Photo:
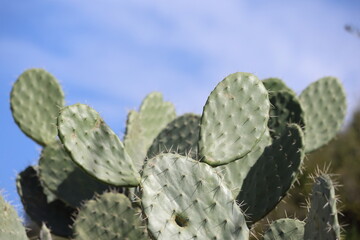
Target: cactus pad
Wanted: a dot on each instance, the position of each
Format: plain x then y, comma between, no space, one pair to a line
185,199
10,223
285,109
95,147
64,178
36,99
234,119
180,136
55,214
275,85
322,221
235,172
324,105
109,217
285,229
144,126
134,140
272,175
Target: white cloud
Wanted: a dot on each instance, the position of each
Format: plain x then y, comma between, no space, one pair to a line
127,49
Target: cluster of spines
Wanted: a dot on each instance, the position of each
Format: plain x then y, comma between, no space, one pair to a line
232,133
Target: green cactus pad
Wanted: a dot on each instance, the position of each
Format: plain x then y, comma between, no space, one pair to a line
134,139
179,136
109,217
95,147
324,104
185,199
234,119
56,214
235,172
285,109
45,233
10,223
322,221
275,85
64,178
155,114
272,175
36,99
285,229
143,127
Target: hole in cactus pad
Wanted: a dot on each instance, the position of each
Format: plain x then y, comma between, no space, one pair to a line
181,220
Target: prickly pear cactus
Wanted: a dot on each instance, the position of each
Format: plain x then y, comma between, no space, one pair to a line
61,176
186,199
278,167
107,217
95,147
234,119
10,223
36,99
144,126
285,229
276,85
57,215
180,136
324,104
322,221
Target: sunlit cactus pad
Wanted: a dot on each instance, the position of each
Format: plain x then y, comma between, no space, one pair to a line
95,147
109,217
324,104
36,99
180,136
10,223
143,126
185,199
285,229
234,119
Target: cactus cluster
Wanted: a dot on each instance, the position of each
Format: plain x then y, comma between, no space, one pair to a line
208,176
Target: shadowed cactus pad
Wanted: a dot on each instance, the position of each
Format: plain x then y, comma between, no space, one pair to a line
234,119
285,109
64,178
285,229
95,147
10,223
235,172
56,214
272,175
324,105
275,85
36,99
185,199
180,136
322,221
109,217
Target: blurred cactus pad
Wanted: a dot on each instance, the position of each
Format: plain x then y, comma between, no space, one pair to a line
209,175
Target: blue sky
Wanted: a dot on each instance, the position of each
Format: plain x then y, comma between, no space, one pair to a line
110,54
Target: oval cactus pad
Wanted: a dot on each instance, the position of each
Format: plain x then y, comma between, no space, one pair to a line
234,119
36,99
95,147
185,199
324,106
109,217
